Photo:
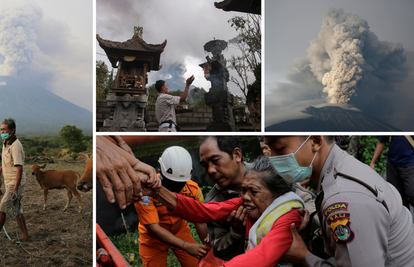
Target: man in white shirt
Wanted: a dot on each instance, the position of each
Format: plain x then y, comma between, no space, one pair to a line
164,106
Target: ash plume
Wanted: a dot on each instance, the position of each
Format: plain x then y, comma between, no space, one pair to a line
347,66
346,52
17,37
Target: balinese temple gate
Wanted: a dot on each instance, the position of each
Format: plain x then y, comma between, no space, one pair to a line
133,58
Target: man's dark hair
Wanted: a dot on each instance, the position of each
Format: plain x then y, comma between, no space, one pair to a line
261,138
11,124
266,172
225,143
158,85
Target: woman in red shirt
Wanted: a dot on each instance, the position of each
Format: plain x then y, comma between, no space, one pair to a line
271,207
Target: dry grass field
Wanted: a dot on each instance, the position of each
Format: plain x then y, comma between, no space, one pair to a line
57,238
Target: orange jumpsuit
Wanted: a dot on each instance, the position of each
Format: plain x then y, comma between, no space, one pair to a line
152,251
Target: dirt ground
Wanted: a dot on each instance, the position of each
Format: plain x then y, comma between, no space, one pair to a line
57,238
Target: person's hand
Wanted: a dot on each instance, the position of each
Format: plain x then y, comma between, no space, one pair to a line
114,172
14,191
190,80
152,182
303,229
304,182
298,250
206,240
122,144
125,147
195,249
372,165
145,191
238,218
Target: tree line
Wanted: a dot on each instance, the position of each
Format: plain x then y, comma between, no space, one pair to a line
70,139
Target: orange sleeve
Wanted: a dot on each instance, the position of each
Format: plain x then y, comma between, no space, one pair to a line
147,212
195,191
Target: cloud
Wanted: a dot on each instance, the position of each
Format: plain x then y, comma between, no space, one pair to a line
3,83
187,26
42,44
348,65
17,37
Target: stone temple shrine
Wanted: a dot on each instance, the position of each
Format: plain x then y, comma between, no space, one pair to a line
133,58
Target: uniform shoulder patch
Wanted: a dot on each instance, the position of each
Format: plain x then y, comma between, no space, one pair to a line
334,207
342,232
337,216
145,201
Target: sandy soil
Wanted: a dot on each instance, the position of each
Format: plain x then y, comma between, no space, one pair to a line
57,238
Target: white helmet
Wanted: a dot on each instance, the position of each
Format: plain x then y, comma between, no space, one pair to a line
176,164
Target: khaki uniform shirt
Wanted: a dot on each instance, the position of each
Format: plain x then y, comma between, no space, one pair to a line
363,220
12,156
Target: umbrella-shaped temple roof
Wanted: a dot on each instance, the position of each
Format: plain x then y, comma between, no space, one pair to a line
134,47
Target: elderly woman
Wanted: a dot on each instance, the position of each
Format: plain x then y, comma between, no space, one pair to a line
271,207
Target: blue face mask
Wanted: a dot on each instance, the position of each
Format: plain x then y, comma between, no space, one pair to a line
288,168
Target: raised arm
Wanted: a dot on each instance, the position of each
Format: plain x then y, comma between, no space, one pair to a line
189,81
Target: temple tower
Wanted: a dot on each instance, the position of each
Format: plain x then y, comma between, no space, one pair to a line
218,98
133,58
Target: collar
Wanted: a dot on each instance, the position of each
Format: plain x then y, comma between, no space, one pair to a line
14,138
328,162
226,191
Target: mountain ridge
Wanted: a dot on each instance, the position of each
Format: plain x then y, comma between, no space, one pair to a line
38,111
332,119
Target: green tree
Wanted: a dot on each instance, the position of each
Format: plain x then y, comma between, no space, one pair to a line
367,145
73,138
104,80
74,155
196,98
152,95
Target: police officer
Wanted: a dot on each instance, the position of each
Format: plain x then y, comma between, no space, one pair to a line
363,220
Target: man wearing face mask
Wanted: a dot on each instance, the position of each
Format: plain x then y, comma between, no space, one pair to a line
12,161
160,231
364,221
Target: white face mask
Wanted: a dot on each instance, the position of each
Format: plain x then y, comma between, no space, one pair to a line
288,168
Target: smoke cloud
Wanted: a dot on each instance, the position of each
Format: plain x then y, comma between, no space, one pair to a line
17,37
346,65
346,52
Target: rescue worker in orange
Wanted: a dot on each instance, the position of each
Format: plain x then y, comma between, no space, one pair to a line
159,231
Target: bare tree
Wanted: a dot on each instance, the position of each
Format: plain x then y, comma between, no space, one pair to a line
248,42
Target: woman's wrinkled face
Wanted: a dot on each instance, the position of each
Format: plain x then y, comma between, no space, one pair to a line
255,195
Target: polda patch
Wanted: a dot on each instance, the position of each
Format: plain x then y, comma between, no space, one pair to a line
337,216
334,207
342,231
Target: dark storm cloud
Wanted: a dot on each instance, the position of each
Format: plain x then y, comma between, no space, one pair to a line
186,25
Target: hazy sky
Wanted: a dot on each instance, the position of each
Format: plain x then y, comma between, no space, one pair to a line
187,25
290,86
49,43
